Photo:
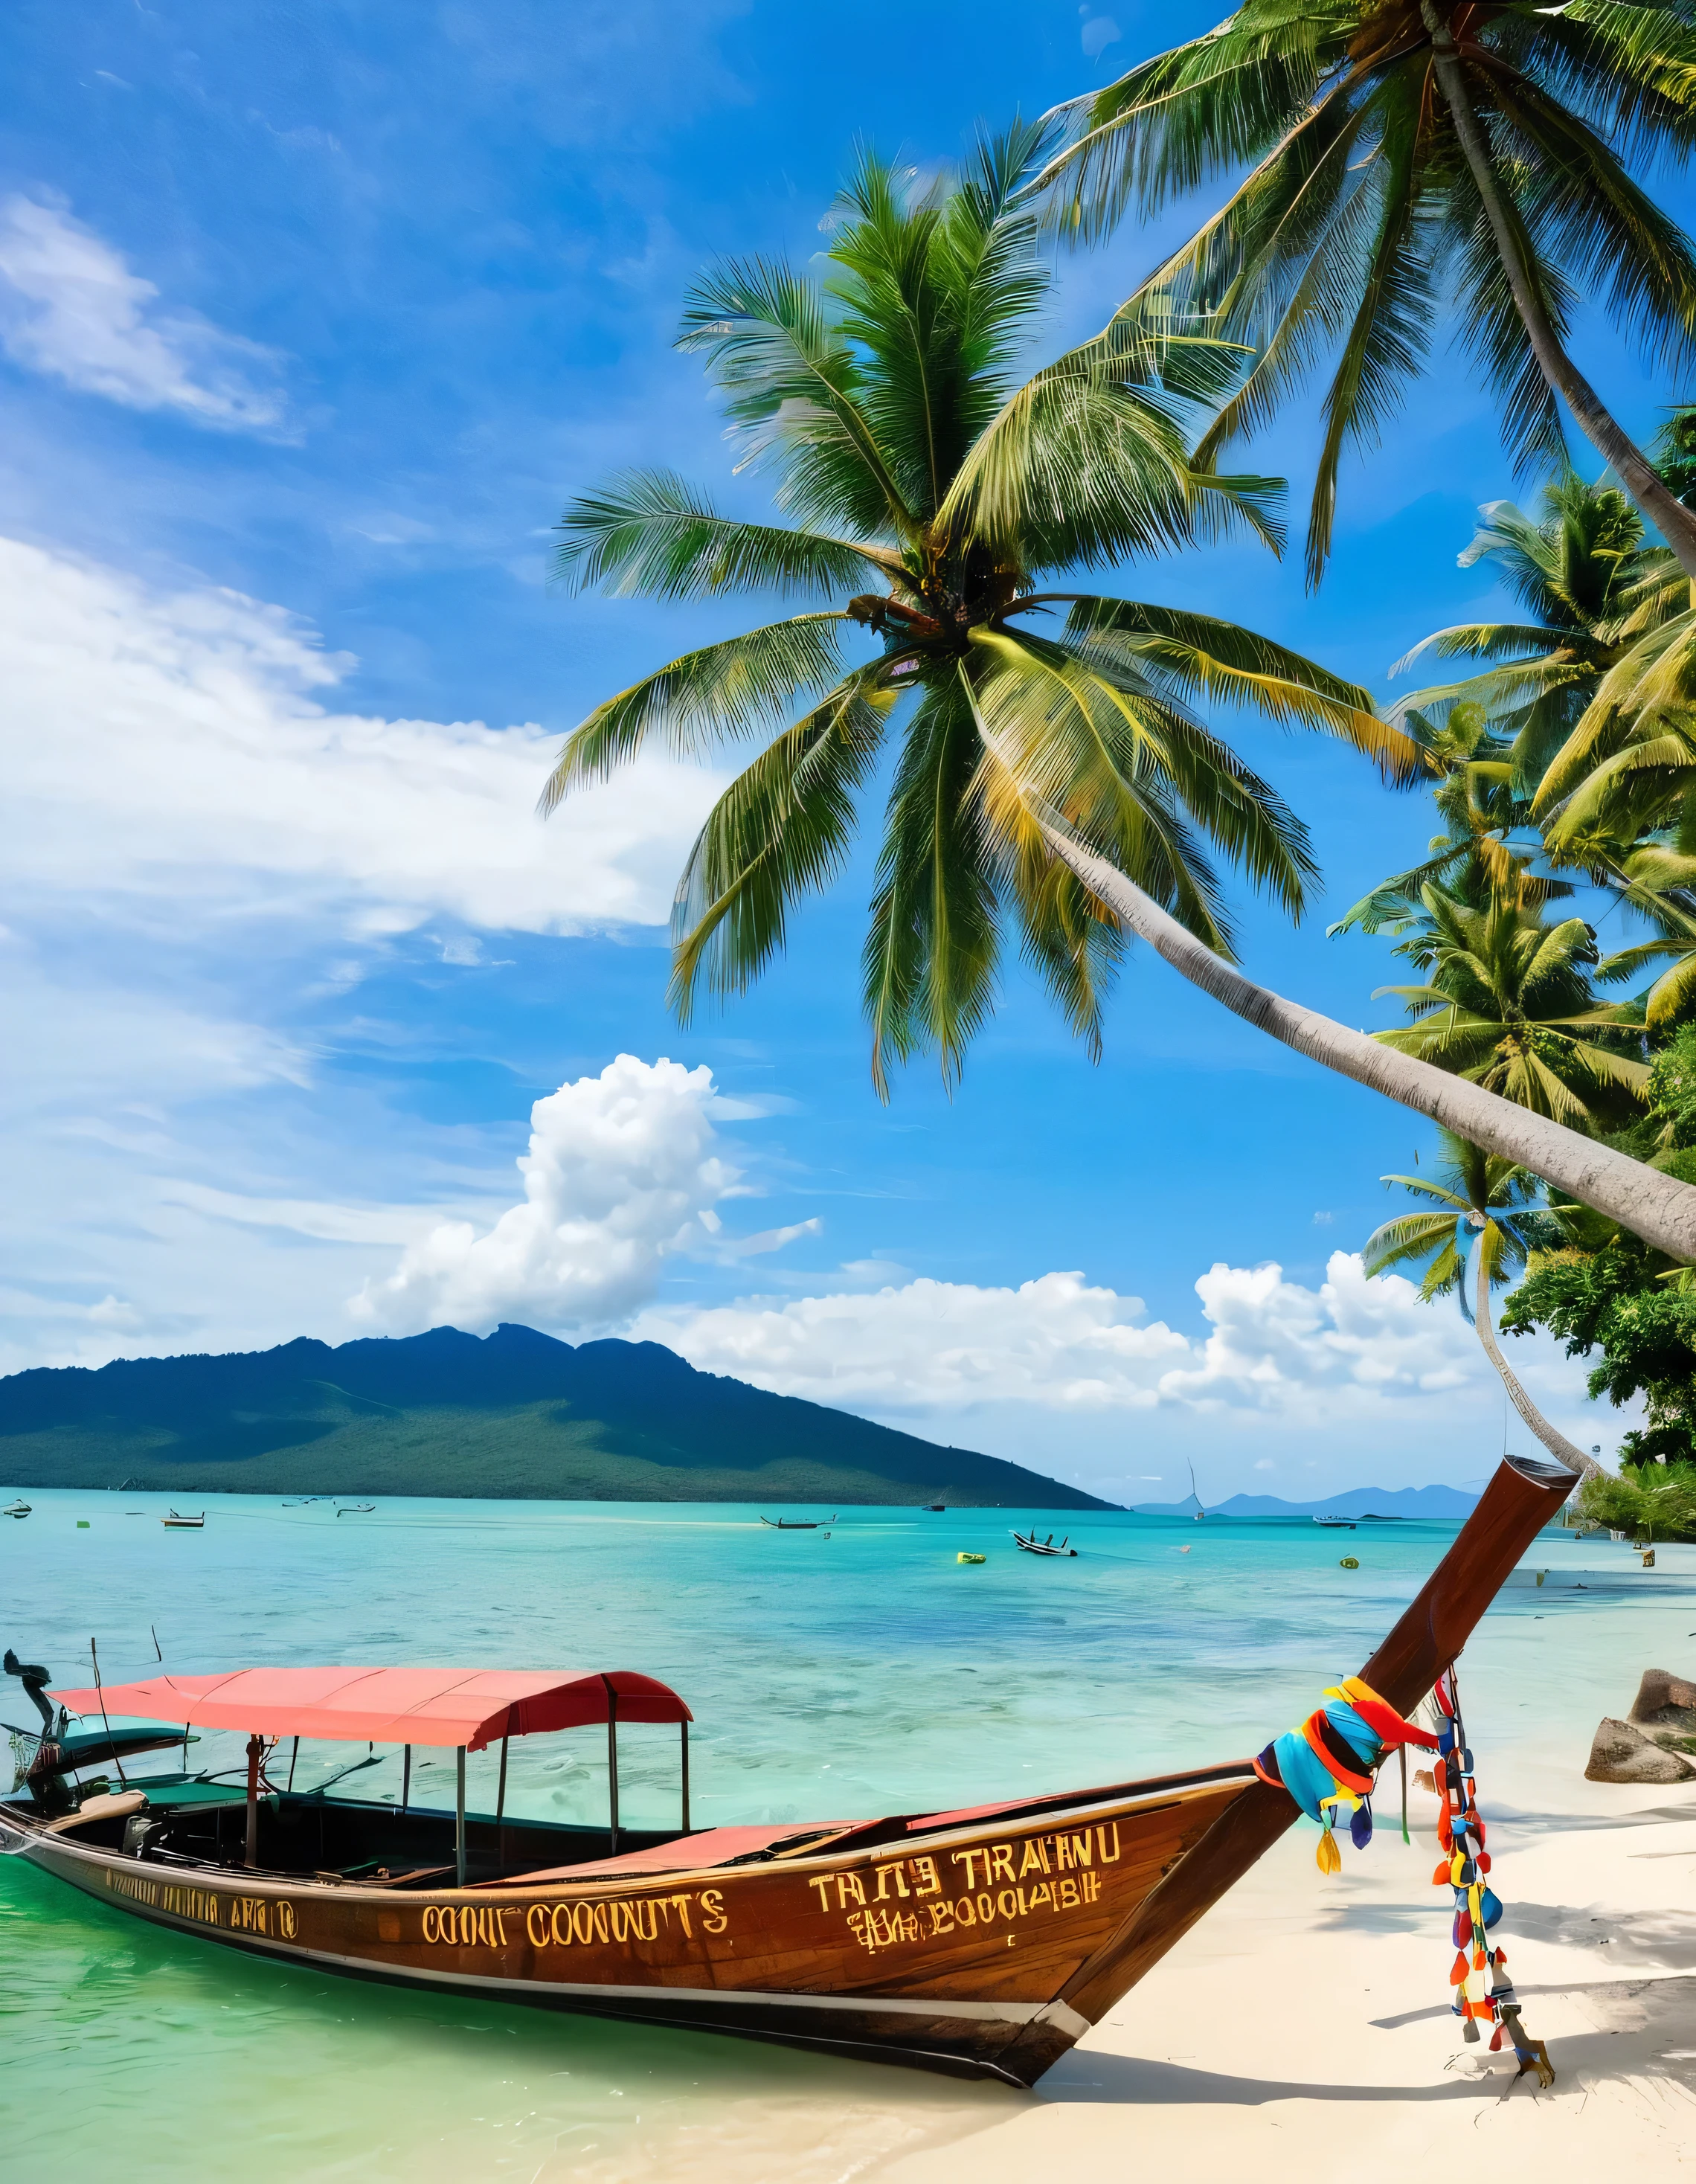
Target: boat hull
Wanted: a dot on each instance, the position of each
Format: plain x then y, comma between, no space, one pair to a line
945,1950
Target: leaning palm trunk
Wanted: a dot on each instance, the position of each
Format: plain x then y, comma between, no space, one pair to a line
1552,1438
1674,521
1654,1205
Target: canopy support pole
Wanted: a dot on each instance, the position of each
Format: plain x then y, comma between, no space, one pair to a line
459,1816
500,1804
684,1726
612,1765
256,1752
405,1778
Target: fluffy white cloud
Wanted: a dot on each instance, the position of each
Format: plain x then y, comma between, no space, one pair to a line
174,751
621,1174
70,307
1354,1348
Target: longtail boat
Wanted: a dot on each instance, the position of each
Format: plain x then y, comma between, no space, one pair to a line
982,1941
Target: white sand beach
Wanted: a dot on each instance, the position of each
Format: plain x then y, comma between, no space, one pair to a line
1304,2026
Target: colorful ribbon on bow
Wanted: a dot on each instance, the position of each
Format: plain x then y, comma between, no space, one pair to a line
1330,1764
1483,1993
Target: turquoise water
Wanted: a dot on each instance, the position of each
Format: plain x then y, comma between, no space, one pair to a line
831,1677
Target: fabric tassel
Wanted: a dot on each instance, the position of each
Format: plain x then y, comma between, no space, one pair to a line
1328,1857
1360,1825
1458,1970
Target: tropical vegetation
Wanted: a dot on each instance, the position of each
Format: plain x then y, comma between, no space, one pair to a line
1599,1289
1476,1223
1510,991
1403,154
1048,773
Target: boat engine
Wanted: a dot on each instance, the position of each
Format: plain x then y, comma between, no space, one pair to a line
44,1777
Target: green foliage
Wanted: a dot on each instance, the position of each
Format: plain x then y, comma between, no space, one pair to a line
1675,453
1360,217
1672,1090
869,397
1506,1002
1611,1301
1650,1505
1469,1190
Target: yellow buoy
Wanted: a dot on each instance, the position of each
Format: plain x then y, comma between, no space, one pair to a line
971,1558
1349,1562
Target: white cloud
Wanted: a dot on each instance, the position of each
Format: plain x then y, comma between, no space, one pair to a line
1354,1349
173,751
70,307
621,1175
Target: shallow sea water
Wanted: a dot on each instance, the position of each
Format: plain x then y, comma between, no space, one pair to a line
831,1677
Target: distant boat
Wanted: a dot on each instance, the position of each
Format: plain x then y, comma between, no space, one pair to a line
1336,1524
937,1508
15,1509
173,1522
971,1558
794,1524
355,1508
1033,1546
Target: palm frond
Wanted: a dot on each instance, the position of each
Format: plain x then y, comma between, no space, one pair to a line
648,534
782,830
702,699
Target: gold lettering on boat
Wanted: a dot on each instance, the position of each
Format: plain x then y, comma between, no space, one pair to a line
616,1921
874,1929
847,1885
927,1882
132,1885
887,1872
1000,1867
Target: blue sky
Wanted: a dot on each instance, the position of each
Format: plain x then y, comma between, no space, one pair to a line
312,321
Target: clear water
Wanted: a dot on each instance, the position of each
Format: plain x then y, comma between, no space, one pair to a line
831,1677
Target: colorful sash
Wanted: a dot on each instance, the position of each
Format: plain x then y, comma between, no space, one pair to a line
1330,1764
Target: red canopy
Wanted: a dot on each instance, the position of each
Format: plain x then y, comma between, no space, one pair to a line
471,1706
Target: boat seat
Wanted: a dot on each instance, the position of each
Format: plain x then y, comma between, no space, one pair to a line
117,1807
711,1847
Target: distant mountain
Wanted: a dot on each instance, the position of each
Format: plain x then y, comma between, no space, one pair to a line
515,1415
1438,1501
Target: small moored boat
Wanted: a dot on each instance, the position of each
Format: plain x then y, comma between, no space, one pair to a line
15,1509
796,1523
1336,1524
355,1508
174,1523
1033,1546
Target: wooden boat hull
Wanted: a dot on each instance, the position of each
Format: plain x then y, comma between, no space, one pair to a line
943,1949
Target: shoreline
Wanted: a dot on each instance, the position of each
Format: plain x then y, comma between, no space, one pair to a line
1303,2019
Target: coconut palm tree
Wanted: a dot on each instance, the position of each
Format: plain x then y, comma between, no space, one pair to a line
1479,1219
1586,578
1506,1001
1054,779
1403,153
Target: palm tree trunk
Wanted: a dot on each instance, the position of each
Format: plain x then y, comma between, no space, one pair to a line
1675,523
1552,1438
1655,1206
